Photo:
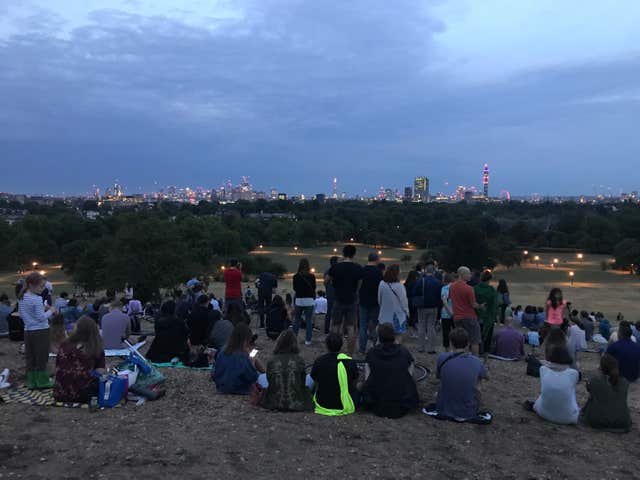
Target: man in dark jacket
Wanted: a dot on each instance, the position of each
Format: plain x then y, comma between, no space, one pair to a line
201,321
389,390
428,288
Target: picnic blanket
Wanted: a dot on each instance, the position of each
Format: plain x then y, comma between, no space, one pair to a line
483,418
178,365
116,352
40,398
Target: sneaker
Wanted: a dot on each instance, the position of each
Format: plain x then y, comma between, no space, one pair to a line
4,379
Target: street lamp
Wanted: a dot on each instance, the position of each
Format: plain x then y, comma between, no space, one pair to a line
295,248
379,252
222,268
313,270
571,275
34,264
261,246
526,252
351,239
335,250
555,262
43,273
537,259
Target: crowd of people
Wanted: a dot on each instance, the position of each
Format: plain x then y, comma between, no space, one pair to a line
368,306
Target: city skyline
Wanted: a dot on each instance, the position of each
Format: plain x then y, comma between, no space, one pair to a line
295,94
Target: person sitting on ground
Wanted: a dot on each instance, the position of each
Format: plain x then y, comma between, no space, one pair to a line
604,326
78,357
626,352
115,326
558,337
517,316
509,341
577,338
200,322
557,401
335,375
607,405
389,389
57,332
61,301
459,372
220,333
277,318
171,336
71,313
91,310
286,380
5,310
235,371
586,324
635,331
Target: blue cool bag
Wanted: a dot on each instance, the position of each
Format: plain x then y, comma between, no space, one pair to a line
111,390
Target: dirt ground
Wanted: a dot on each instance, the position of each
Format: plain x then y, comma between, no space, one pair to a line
196,433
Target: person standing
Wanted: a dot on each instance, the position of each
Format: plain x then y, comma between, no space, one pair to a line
427,290
446,314
267,284
503,298
392,298
346,277
233,284
412,321
369,308
331,294
304,286
487,296
36,331
464,308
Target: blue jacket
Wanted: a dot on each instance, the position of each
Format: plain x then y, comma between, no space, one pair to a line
432,288
234,373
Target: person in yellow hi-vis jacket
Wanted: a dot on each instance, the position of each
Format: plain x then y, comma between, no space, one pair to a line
335,375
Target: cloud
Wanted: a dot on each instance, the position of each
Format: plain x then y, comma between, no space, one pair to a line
292,92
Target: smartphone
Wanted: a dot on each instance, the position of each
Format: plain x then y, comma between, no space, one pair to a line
253,353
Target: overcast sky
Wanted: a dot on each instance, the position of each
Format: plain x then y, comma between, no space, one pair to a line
293,93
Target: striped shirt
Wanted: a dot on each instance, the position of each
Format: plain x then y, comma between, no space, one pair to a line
31,308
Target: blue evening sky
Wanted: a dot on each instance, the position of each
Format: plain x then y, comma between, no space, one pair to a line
293,93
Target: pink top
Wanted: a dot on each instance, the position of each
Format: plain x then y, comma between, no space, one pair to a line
554,315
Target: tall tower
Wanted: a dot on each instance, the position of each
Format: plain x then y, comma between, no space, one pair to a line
421,189
335,188
485,180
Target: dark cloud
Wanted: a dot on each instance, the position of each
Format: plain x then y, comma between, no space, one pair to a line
294,93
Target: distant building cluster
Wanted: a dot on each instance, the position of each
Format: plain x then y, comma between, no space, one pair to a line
116,195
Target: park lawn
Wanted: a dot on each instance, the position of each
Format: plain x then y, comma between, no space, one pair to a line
593,289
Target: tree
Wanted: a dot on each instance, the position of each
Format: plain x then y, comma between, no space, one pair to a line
467,246
627,253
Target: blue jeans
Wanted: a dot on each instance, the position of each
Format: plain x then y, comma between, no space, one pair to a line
368,323
308,320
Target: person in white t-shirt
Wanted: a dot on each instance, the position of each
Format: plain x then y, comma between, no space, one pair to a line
321,304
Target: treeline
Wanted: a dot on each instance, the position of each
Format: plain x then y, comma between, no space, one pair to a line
157,246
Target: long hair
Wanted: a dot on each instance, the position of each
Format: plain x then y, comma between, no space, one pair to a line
502,286
392,274
609,366
555,297
57,333
240,336
303,266
277,301
32,280
286,343
87,335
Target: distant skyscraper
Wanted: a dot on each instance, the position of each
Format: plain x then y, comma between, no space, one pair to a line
421,189
408,193
321,197
335,188
274,194
485,181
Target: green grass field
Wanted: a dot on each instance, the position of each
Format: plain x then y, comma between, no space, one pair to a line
593,289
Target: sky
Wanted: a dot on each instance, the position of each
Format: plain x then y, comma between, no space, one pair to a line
293,93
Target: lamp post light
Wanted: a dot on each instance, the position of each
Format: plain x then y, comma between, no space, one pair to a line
555,262
379,252
34,265
335,250
525,253
571,275
580,257
537,260
313,270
